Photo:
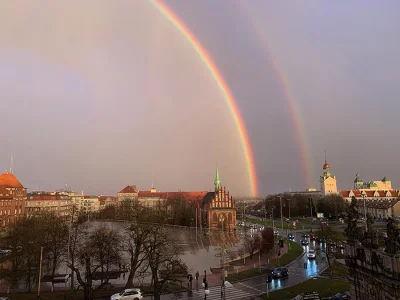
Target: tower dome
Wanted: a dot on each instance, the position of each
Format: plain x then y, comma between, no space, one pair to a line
326,166
9,180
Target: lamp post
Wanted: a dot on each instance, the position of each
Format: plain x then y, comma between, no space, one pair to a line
40,271
205,285
365,211
280,202
310,208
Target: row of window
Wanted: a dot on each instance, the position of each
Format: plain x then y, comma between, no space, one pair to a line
8,212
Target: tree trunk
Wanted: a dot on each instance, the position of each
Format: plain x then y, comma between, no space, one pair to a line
53,270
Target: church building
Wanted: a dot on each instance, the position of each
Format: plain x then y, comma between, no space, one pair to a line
220,207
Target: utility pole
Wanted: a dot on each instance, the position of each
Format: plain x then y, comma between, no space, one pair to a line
280,201
40,271
196,220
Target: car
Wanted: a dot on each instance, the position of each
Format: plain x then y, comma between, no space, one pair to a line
280,273
308,296
5,251
128,294
311,254
304,242
340,296
291,236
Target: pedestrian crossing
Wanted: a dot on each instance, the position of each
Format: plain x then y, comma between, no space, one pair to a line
231,293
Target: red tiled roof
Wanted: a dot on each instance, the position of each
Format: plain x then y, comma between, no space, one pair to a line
128,190
345,194
170,196
10,181
370,193
149,194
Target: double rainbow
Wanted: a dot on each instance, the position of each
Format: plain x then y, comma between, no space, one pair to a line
205,57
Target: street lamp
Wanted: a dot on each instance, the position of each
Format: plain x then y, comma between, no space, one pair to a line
280,202
310,199
205,285
365,211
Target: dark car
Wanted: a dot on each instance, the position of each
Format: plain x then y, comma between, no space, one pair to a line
340,296
290,236
304,242
280,273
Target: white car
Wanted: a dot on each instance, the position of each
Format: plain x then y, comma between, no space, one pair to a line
311,254
128,294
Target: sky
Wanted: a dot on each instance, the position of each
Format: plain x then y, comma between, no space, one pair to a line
101,94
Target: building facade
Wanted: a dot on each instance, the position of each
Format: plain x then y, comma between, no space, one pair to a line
327,181
373,273
105,201
221,207
91,204
130,192
39,202
384,184
12,199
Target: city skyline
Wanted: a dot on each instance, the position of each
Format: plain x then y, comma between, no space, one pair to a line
99,101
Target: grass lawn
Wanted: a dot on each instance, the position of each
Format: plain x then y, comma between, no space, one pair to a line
339,269
233,276
332,235
325,288
294,251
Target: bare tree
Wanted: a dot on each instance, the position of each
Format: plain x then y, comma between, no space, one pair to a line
251,244
99,252
163,260
56,235
136,237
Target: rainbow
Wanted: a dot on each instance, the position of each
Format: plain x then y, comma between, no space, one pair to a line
299,131
229,99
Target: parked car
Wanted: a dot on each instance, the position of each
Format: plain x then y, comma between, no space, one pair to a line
128,294
304,242
311,254
340,296
291,236
280,273
308,296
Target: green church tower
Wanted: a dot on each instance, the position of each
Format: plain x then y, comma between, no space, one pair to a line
217,181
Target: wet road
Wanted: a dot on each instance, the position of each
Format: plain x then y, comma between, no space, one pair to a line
251,288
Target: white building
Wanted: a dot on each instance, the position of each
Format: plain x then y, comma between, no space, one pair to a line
327,181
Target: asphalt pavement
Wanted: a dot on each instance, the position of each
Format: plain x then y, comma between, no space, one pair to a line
252,288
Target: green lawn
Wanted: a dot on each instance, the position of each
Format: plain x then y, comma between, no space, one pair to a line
325,288
339,269
294,251
233,276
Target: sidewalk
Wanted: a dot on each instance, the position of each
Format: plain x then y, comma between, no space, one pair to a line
214,279
241,265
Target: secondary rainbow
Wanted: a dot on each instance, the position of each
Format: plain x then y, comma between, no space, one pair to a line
299,131
205,57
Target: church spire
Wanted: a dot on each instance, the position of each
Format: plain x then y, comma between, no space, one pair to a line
217,181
